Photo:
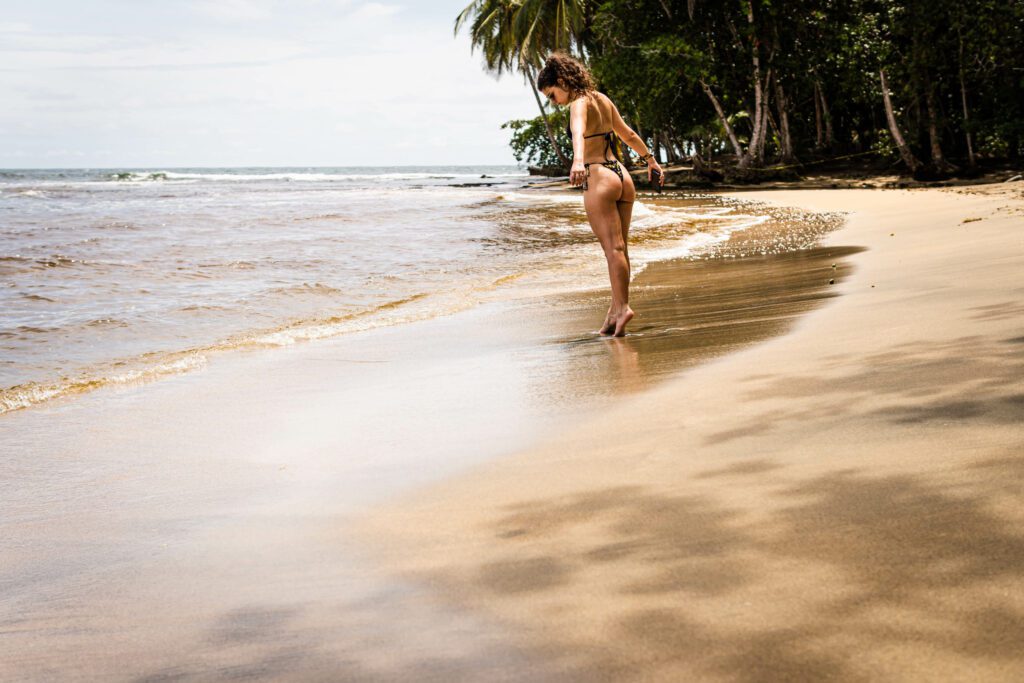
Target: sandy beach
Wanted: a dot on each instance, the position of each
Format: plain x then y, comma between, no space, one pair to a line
197,527
772,477
842,502
302,376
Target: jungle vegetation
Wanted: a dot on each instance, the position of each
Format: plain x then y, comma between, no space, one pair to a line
933,86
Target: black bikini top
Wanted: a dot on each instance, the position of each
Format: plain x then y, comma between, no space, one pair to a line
609,141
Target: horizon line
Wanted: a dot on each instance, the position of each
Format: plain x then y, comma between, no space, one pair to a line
160,166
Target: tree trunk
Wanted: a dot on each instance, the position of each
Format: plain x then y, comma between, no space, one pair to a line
673,147
905,152
547,123
774,126
723,120
825,114
664,144
781,104
830,138
971,161
681,147
756,148
938,159
758,131
819,140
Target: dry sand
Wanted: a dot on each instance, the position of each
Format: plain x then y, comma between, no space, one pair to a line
843,502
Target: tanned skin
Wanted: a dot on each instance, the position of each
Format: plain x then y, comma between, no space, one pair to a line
608,200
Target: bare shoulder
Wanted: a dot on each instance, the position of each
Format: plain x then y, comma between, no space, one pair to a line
605,106
603,100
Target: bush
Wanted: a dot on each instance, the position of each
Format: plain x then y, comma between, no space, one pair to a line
530,143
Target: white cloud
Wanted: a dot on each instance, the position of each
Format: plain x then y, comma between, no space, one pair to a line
14,27
372,10
315,86
233,11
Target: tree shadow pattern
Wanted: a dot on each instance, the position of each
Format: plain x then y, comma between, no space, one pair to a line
916,566
968,379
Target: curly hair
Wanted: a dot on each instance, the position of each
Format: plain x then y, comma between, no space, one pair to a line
565,72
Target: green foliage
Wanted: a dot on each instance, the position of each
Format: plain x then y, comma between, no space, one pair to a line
884,146
659,59
530,142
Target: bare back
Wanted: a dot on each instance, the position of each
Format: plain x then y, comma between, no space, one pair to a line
600,116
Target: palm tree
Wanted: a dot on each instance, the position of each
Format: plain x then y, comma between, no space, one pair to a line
489,29
542,26
516,35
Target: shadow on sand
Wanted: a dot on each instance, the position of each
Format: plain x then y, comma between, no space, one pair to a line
844,568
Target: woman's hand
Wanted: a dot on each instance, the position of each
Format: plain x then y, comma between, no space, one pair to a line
652,164
577,174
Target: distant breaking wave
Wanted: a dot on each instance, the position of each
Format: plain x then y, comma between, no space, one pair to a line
144,176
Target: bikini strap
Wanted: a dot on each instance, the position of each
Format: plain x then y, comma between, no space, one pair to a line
609,144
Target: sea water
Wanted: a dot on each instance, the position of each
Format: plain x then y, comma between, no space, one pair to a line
113,276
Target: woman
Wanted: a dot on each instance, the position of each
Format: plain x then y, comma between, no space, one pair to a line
608,191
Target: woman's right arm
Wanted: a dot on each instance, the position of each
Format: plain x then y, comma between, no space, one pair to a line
578,124
636,143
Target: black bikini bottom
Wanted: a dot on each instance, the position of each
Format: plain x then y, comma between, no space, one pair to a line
610,163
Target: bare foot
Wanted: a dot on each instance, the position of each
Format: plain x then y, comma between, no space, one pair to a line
622,321
609,323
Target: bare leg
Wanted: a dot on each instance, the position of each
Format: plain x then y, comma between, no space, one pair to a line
625,216
625,209
602,210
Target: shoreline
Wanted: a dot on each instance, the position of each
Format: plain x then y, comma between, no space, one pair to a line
680,177
834,502
162,363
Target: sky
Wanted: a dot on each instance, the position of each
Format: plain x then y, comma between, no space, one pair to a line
179,83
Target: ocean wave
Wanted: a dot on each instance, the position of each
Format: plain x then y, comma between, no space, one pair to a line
315,176
26,395
645,217
131,176
105,322
318,328
693,244
538,198
154,365
236,264
192,308
323,217
60,261
306,288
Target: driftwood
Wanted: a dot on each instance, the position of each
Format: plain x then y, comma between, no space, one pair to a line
548,171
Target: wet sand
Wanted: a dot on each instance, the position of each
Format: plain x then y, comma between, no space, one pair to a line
842,502
200,528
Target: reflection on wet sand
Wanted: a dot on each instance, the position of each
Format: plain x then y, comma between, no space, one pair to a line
689,311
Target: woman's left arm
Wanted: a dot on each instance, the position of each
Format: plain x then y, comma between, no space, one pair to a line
636,143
